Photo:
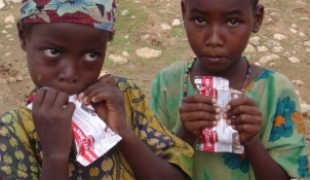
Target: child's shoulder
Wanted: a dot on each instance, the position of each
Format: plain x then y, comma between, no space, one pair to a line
175,68
269,75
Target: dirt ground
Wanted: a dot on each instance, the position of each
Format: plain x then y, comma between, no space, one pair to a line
142,23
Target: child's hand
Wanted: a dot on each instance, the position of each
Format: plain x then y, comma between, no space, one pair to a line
52,115
108,102
198,112
245,117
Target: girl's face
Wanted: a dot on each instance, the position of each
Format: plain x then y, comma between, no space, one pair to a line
64,56
218,30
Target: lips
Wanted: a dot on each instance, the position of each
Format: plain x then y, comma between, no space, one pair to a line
214,58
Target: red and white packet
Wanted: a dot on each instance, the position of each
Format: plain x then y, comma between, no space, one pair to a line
222,137
92,137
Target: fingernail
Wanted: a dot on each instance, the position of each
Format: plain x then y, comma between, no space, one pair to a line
228,107
85,100
228,121
233,126
217,117
225,115
81,95
218,110
94,99
213,100
214,123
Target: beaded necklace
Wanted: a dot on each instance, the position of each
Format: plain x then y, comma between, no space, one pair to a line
190,65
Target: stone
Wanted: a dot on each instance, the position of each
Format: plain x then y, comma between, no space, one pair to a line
293,31
118,58
302,34
8,26
9,19
4,31
277,49
254,40
297,82
272,64
304,18
250,49
148,53
133,17
294,59
307,43
15,1
19,78
125,53
279,36
125,12
126,37
1,4
271,43
304,108
262,48
176,22
287,54
11,80
267,58
165,26
294,25
257,63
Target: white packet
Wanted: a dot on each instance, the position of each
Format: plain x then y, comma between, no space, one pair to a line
222,137
92,137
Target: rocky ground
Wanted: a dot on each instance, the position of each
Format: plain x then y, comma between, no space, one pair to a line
149,36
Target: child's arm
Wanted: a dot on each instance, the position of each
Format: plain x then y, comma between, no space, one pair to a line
52,119
108,102
247,122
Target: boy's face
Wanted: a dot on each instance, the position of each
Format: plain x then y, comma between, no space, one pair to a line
64,56
218,30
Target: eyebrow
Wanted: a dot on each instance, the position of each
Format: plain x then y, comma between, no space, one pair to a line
237,11
230,12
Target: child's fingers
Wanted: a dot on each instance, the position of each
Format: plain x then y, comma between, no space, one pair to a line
190,107
39,97
247,128
108,78
199,115
61,99
198,98
243,100
47,97
242,109
195,126
246,119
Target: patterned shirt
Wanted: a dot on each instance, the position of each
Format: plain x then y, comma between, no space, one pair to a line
21,151
282,130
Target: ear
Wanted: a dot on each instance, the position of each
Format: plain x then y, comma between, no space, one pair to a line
183,9
22,35
258,18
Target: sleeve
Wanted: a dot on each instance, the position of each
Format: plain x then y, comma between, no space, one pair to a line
17,160
157,101
286,142
153,133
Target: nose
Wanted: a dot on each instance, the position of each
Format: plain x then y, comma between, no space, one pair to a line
69,69
214,37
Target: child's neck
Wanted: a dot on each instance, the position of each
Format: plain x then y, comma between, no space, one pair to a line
235,73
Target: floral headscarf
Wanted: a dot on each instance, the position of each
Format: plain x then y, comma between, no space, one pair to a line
99,14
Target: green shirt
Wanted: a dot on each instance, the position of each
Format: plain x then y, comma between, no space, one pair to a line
282,130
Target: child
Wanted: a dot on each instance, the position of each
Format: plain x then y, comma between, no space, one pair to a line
66,42
267,116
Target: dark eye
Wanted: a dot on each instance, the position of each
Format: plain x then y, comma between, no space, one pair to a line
233,22
200,20
51,53
90,57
